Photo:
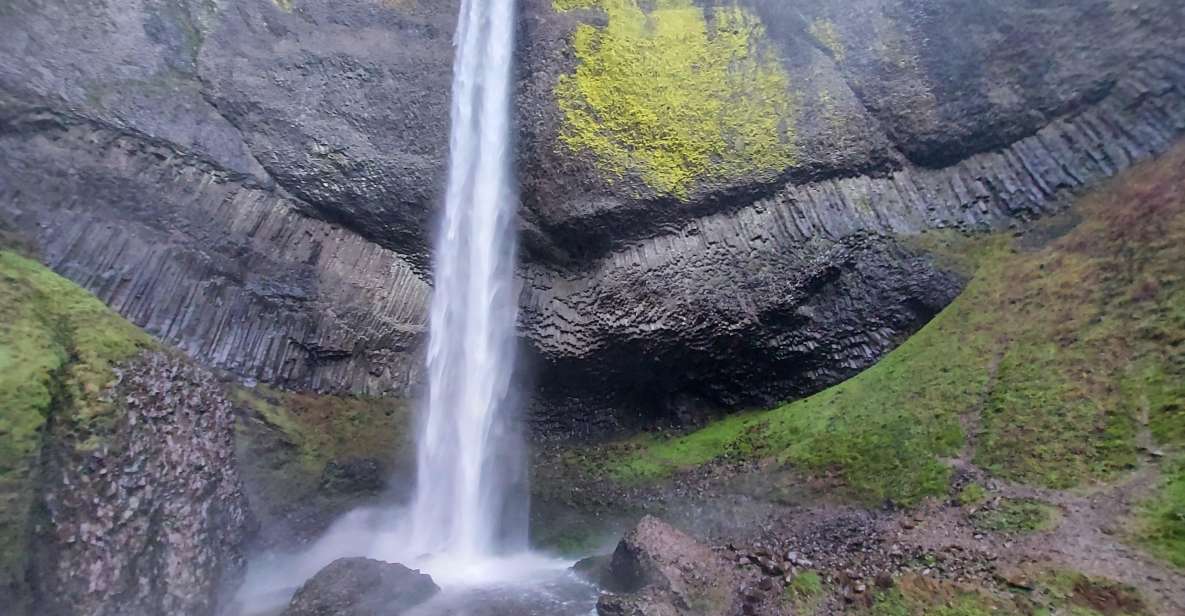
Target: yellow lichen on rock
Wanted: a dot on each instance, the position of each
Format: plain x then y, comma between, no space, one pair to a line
824,31
674,97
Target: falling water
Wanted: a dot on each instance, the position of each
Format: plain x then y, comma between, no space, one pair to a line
468,461
466,524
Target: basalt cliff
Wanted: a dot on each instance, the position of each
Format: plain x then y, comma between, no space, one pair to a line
718,199
724,205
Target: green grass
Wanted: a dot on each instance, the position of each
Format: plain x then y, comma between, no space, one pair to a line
1054,592
1076,594
916,596
1061,350
58,346
972,494
1017,516
805,592
895,604
1160,524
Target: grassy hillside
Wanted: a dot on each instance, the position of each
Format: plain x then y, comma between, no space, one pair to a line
1065,352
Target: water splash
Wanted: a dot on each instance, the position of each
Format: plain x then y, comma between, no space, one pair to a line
468,460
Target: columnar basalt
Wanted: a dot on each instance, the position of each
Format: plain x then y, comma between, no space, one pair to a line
256,185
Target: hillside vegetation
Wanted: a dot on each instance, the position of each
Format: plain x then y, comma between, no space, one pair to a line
1060,365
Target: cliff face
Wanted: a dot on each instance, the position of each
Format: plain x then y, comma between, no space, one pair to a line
719,198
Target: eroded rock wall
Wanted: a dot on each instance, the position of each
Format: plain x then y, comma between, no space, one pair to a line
255,181
908,117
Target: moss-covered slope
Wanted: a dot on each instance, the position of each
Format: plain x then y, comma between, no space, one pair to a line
1065,344
58,345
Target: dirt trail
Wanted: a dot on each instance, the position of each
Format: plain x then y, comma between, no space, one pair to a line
1087,535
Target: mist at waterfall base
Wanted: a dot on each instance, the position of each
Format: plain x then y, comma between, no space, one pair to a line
514,584
466,524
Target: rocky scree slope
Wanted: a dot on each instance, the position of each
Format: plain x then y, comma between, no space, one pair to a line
255,182
119,491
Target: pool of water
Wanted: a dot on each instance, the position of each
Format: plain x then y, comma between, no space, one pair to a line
525,584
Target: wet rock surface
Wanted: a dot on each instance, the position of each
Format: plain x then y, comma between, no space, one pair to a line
369,85
362,587
228,271
151,518
256,183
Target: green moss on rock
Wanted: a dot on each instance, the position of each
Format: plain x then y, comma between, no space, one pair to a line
58,346
307,457
675,98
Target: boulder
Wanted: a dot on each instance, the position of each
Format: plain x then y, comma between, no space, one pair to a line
362,587
659,570
145,512
595,569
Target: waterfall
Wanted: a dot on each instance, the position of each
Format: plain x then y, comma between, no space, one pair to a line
468,457
466,523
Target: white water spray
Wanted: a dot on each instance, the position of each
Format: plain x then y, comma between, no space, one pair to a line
468,459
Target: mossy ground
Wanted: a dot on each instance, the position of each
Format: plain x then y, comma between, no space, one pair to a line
1054,592
805,592
1016,516
664,93
1061,346
917,596
289,439
58,346
1070,592
1160,522
972,494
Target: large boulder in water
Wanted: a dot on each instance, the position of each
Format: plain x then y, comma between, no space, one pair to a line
362,587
